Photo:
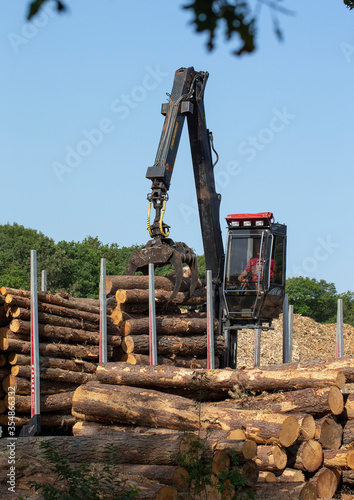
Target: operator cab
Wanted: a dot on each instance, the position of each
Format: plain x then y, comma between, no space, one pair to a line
254,277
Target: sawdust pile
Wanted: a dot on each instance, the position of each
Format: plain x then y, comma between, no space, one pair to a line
311,340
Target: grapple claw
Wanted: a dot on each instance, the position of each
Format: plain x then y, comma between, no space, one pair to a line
160,253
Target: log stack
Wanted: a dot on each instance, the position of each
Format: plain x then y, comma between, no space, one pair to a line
68,349
181,334
299,435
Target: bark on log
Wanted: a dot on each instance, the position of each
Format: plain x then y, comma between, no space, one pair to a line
326,483
86,352
48,403
164,474
47,420
168,345
153,408
179,325
242,449
63,333
266,477
23,386
76,365
317,401
348,476
308,456
56,374
329,432
349,406
338,459
125,282
52,319
133,448
271,458
161,296
348,433
284,491
144,359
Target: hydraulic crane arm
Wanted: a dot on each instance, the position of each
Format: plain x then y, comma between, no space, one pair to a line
186,100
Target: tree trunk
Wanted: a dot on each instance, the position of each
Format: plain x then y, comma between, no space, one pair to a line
348,433
76,365
163,474
48,403
144,359
133,448
125,282
142,296
166,325
23,385
153,408
338,459
56,374
326,483
266,477
169,345
63,333
47,420
291,476
270,458
88,352
329,432
348,477
349,406
317,401
284,491
305,456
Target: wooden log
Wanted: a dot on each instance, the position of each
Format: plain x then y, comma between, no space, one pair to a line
144,359
349,406
317,401
142,296
53,319
284,491
76,365
63,333
56,374
163,474
266,477
326,483
339,459
154,408
220,462
309,456
125,282
87,352
177,325
329,432
307,426
133,448
289,475
3,373
242,449
23,386
348,433
171,345
48,403
348,477
270,458
47,420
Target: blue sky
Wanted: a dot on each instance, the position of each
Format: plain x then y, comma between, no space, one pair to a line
81,96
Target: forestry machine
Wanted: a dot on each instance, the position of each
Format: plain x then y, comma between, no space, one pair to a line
249,277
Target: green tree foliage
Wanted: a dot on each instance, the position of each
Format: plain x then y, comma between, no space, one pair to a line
73,267
318,300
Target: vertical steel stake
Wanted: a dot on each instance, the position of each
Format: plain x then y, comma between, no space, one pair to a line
103,314
44,281
210,322
152,317
286,339
339,330
291,326
257,347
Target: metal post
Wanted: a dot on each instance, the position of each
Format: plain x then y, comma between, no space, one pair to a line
257,347
210,322
34,425
103,314
339,330
291,326
286,339
44,281
152,317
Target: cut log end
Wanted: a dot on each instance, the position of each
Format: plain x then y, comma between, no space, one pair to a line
336,401
289,431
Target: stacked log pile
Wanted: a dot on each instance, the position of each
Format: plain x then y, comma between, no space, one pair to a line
300,435
68,349
181,335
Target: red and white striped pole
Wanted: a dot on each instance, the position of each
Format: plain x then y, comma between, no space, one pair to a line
152,317
103,314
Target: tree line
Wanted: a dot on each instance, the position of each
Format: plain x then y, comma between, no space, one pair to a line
74,267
